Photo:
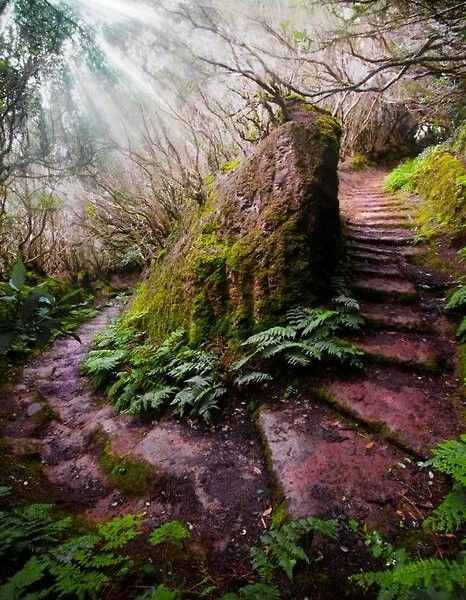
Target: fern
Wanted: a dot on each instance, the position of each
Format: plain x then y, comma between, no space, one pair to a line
458,299
416,579
450,515
30,528
310,335
101,364
75,567
154,378
161,592
450,458
255,591
18,585
281,547
254,377
173,532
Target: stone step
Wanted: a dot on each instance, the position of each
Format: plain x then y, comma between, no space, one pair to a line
378,208
381,267
325,467
407,349
384,214
415,411
373,248
368,257
397,317
390,290
388,238
380,223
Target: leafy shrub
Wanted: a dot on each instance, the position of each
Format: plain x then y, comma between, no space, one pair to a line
457,302
309,336
30,315
280,548
139,377
450,458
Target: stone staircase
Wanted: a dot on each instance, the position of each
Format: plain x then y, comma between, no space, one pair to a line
351,447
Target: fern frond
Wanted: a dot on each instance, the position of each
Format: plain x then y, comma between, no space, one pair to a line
458,299
270,337
450,515
347,302
254,377
450,458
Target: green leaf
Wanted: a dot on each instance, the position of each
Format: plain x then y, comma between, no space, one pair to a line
173,532
17,275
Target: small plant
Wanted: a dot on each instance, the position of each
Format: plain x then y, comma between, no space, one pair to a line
309,336
172,532
457,302
281,548
450,458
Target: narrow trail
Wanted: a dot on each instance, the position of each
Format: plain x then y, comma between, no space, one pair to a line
348,448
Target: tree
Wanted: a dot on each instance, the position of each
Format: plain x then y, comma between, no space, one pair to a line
35,38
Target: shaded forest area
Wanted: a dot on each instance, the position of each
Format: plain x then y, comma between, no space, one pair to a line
232,299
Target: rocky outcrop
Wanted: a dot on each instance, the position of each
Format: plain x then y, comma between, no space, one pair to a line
267,239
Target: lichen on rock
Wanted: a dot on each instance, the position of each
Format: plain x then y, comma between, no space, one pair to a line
267,239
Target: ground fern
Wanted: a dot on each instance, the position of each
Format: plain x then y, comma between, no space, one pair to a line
309,336
139,377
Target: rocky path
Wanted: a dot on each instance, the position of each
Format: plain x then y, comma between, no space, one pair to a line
348,449
213,478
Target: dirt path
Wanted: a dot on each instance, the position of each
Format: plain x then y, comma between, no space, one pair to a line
348,449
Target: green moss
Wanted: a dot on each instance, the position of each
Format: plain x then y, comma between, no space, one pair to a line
128,474
439,178
279,514
329,128
45,415
441,184
230,166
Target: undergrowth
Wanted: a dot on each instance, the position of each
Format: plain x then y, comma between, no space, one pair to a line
438,177
44,556
139,376
414,578
32,314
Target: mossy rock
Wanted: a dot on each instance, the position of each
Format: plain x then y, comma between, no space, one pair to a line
267,239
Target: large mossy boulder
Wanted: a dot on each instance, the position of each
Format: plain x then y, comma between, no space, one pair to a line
267,239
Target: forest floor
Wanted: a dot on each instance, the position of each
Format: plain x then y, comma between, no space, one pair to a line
341,445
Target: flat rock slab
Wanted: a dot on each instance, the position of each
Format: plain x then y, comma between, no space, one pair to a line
391,290
326,468
392,317
411,350
415,411
226,469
